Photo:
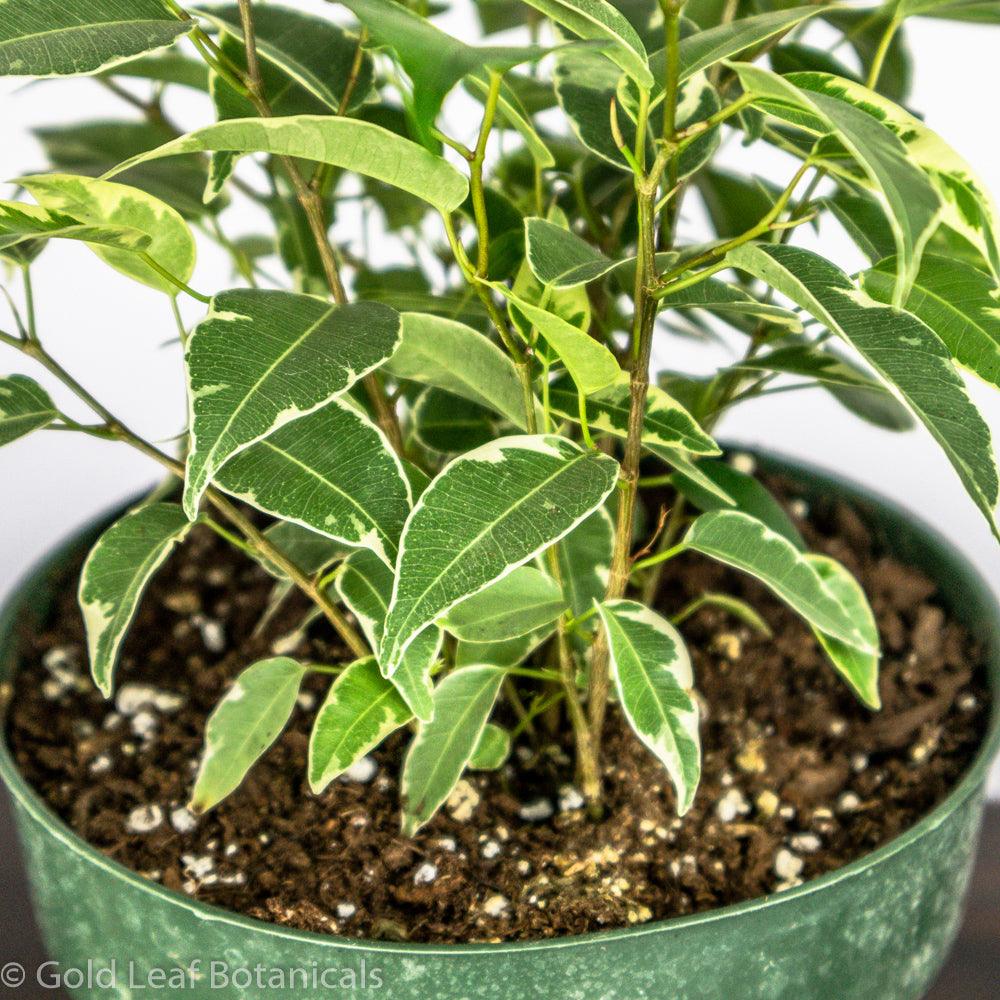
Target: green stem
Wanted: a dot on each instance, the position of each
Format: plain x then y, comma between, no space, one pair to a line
665,284
172,278
882,51
660,557
477,187
117,430
29,303
311,201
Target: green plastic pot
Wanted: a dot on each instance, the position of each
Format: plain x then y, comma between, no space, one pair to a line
877,929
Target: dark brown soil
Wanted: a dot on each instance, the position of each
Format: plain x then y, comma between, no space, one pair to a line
798,778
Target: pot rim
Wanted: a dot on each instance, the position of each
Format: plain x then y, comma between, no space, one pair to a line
970,783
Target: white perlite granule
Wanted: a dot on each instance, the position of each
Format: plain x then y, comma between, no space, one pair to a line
183,820
425,874
535,812
144,819
361,771
787,866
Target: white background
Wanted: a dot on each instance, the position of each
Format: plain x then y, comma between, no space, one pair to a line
111,332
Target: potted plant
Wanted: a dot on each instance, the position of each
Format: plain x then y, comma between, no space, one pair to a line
483,516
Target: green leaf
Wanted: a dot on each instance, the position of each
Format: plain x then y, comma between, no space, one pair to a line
333,471
858,668
243,726
73,38
361,709
972,11
24,407
794,57
703,49
591,365
685,464
493,749
739,609
115,574
309,550
958,302
20,223
750,495
349,143
315,53
968,207
586,83
851,384
94,147
597,20
904,351
734,203
666,424
433,59
741,541
570,304
717,296
522,602
454,357
449,425
585,561
365,586
497,507
914,204
863,30
262,358
864,221
165,67
104,203
507,653
443,747
652,671
560,258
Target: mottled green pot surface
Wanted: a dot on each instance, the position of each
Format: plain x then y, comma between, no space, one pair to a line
877,929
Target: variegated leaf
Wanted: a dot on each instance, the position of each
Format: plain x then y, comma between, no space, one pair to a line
653,678
443,747
333,471
743,542
859,668
901,348
115,574
104,203
667,424
914,204
485,514
349,143
454,357
24,407
75,37
260,359
243,726
361,709
365,586
599,21
522,602
958,302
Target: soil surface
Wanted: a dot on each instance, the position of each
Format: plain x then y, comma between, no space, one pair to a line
799,778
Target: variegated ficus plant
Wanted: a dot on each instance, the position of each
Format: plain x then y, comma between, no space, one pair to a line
465,460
